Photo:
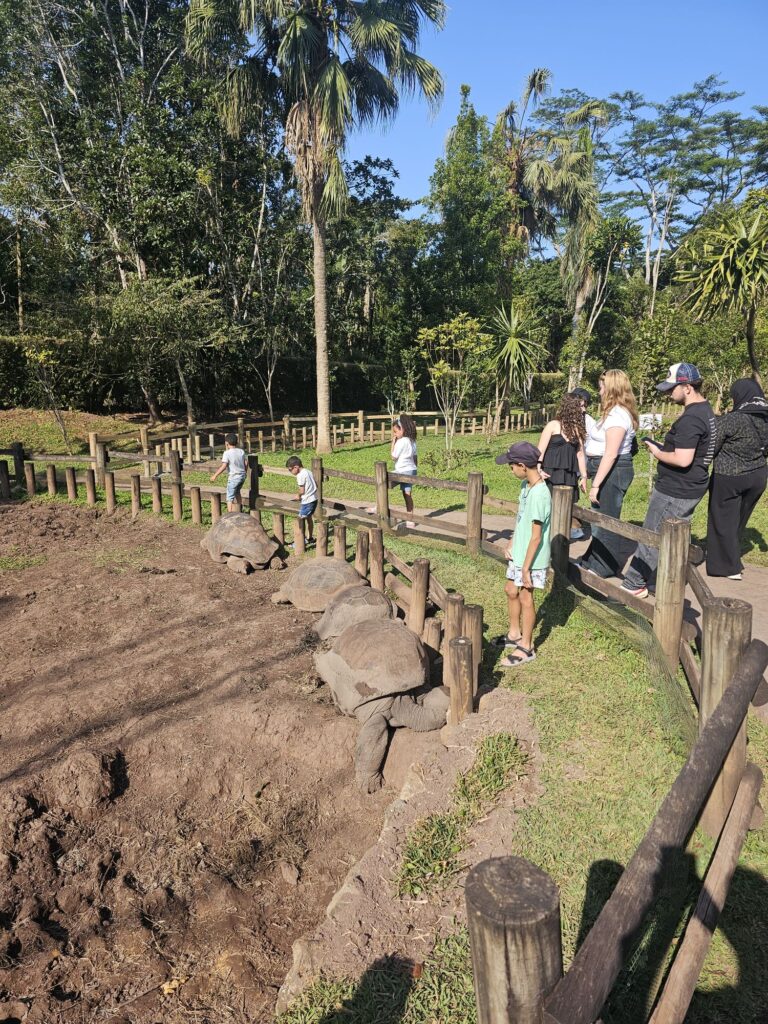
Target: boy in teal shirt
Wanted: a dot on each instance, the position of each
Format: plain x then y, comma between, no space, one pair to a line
528,554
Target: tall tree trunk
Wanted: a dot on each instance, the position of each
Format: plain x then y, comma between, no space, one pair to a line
185,392
321,335
750,331
153,405
19,293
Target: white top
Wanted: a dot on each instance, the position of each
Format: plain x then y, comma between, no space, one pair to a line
404,454
617,417
235,460
305,479
589,423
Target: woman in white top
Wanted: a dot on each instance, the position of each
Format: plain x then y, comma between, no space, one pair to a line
404,454
609,449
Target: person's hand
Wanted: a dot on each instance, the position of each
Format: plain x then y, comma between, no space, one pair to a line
652,447
594,493
583,484
212,477
527,581
542,474
508,553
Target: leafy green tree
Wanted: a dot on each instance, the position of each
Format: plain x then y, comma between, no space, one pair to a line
337,65
520,353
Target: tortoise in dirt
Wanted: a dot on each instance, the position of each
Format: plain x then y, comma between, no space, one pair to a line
375,671
241,541
312,584
351,605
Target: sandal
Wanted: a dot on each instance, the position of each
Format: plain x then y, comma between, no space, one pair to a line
504,641
510,661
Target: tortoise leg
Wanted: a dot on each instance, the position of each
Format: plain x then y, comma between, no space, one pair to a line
421,717
370,751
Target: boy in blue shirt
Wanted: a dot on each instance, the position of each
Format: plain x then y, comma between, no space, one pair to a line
528,554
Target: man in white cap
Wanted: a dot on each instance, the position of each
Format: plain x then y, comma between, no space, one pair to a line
682,476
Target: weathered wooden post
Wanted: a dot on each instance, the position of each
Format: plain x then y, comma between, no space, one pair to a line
135,494
109,491
674,541
286,429
157,495
382,493
361,425
278,527
174,460
321,533
71,477
453,624
144,442
474,513
513,916
335,436
51,481
317,473
473,628
197,505
431,636
240,432
193,442
29,478
17,450
90,487
298,537
726,631
212,445
462,671
314,436
376,558
340,542
261,441
560,528
215,507
198,452
417,610
177,498
361,553
5,480
98,451
253,472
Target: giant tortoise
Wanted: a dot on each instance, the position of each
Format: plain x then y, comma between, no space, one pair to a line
241,541
375,671
312,584
350,605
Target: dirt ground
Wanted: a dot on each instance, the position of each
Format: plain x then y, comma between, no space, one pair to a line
177,799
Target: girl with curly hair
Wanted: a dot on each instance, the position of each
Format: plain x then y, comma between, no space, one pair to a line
562,451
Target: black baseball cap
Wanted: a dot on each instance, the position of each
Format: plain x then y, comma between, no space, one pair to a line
581,393
522,452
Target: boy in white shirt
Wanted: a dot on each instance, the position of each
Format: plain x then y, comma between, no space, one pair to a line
307,494
234,459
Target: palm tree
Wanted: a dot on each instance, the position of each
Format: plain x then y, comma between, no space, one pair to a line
337,65
519,354
725,267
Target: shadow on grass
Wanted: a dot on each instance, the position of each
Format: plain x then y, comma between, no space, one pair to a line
752,540
380,995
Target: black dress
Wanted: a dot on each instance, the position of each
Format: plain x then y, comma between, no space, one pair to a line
560,462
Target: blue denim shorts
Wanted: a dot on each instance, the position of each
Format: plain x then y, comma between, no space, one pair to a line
305,511
407,488
234,483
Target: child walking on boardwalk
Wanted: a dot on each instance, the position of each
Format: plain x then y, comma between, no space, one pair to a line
404,454
528,553
307,494
234,460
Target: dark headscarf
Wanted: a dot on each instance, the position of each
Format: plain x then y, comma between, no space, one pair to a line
748,397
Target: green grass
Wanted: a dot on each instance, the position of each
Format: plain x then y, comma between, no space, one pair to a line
15,563
432,848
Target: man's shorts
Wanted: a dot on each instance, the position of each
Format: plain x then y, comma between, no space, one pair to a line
234,483
407,488
538,576
305,511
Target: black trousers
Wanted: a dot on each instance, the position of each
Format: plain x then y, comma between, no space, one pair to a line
732,500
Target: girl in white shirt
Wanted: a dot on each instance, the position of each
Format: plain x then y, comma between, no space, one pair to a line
404,454
609,465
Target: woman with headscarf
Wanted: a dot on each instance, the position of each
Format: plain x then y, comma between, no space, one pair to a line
739,477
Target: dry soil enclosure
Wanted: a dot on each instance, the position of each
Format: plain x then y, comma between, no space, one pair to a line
177,799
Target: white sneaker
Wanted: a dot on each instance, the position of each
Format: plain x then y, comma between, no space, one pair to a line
736,576
577,534
372,511
410,525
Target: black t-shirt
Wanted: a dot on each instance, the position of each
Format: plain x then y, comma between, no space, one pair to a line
694,429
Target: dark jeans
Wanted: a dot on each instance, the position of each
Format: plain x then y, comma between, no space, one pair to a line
643,566
732,500
604,554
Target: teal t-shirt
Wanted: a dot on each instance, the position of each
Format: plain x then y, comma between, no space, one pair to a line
534,505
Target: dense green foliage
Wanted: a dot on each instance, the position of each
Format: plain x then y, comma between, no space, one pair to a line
157,243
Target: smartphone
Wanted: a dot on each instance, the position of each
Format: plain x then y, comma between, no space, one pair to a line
651,440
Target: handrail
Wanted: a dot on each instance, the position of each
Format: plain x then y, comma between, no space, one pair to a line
699,586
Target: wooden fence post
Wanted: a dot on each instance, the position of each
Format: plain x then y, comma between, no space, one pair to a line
382,493
90,487
109,490
452,627
29,478
157,495
560,529
17,449
340,542
51,481
473,628
240,432
278,527
212,445
177,496
215,507
431,636
5,480
376,558
253,470
71,478
462,671
674,541
726,632
417,610
135,494
474,513
361,553
321,542
144,443
513,916
175,463
314,436
317,473
101,462
298,537
197,505
361,425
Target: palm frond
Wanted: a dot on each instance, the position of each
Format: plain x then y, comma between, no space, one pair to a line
416,74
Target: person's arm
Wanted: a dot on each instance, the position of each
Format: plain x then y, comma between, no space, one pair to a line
614,438
543,444
681,458
530,554
582,461
219,471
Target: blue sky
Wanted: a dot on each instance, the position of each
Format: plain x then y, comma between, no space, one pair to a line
657,48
